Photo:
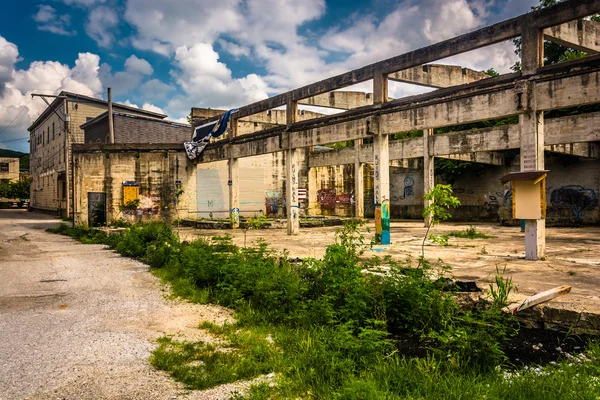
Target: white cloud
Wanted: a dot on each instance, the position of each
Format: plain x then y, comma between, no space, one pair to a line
140,65
86,3
101,21
48,77
9,55
163,27
122,82
207,82
48,20
152,107
234,49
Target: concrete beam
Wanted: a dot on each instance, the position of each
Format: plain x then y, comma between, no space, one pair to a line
269,117
574,135
585,150
408,149
343,100
580,35
438,75
554,87
481,157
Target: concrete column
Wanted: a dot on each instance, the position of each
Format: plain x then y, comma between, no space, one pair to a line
428,170
381,164
359,188
531,124
291,176
532,51
234,182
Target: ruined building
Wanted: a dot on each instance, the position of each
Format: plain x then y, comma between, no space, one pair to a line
52,136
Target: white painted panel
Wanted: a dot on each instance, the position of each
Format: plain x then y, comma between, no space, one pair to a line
212,193
252,191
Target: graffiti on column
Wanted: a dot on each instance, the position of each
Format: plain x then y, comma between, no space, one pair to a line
378,227
294,187
574,197
385,223
376,172
235,214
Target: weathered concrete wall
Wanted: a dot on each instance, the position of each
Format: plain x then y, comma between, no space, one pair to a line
261,186
331,191
159,174
572,191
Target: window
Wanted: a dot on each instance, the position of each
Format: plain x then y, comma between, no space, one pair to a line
53,131
4,167
48,139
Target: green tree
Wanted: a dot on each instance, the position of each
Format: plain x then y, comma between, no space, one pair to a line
438,210
553,52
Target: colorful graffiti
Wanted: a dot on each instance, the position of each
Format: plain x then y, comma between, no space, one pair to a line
272,201
326,198
235,215
344,198
382,223
574,197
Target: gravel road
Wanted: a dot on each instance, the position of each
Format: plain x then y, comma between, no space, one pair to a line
79,322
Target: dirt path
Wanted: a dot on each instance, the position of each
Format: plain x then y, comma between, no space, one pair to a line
78,322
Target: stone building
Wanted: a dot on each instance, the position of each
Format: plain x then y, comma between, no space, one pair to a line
52,135
9,169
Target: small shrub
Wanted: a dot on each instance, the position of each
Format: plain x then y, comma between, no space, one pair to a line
470,233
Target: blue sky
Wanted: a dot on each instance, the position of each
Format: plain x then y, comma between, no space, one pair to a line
173,55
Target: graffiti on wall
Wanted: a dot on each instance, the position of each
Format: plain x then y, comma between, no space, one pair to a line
272,201
409,182
326,198
344,198
574,197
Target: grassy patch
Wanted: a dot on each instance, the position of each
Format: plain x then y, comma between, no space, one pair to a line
470,233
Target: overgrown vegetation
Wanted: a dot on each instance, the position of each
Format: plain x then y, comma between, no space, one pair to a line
440,201
470,233
15,190
329,330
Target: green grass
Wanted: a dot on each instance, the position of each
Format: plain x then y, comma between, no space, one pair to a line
470,233
327,331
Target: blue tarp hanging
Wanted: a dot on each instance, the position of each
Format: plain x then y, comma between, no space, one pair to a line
203,133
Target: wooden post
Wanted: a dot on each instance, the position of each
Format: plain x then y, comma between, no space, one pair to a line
111,126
